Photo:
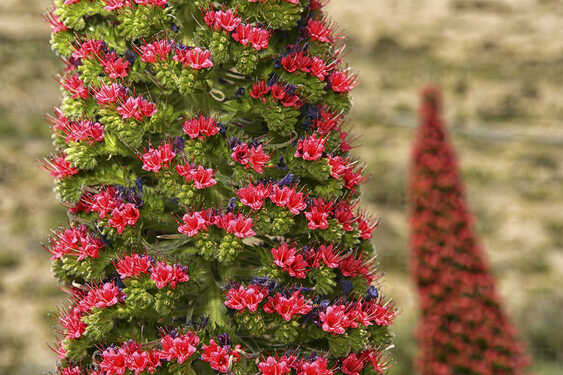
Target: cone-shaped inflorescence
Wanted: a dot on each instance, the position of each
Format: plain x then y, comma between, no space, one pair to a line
463,328
213,202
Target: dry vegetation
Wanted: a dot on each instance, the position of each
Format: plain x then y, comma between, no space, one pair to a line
500,64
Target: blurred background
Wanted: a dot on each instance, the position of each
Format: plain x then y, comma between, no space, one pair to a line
500,64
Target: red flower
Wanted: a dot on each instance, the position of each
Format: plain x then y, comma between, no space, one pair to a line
287,307
240,226
107,296
254,196
72,324
126,214
72,371
271,366
345,216
56,24
317,367
310,148
317,219
240,154
115,67
296,202
133,265
245,298
196,58
342,82
329,257
259,90
88,49
75,86
115,4
157,50
227,20
59,167
192,224
179,348
113,362
327,122
130,109
108,94
334,319
155,159
318,68
203,177
201,127
284,255
320,31
366,228
257,158
352,365
219,358
298,268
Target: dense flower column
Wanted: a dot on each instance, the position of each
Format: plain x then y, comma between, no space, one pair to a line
463,328
213,201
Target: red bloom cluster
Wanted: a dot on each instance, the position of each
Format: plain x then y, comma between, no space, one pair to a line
110,94
201,127
156,158
299,262
245,34
59,167
295,2
88,48
201,177
56,24
133,265
310,148
335,319
463,327
327,121
345,169
136,108
289,362
320,31
107,202
220,358
162,273
195,58
75,86
115,67
84,131
198,221
284,94
113,5
300,61
75,241
179,348
242,298
343,82
250,156
354,363
157,50
254,196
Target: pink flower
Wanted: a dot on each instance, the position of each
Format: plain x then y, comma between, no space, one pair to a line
113,362
327,122
116,4
254,196
59,167
240,226
115,67
271,366
298,268
259,90
202,177
88,49
334,319
317,219
201,127
155,159
310,148
196,58
284,255
133,265
287,307
317,367
56,24
342,82
76,87
107,296
319,31
126,214
245,298
130,109
162,274
296,202
227,20
179,348
192,224
72,324
219,358
242,34
329,257
108,94
258,158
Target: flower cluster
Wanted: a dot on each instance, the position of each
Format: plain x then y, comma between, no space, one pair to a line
463,327
59,167
247,35
162,273
75,241
300,61
198,221
278,92
136,108
156,158
84,130
250,156
113,5
200,176
201,127
108,203
254,196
